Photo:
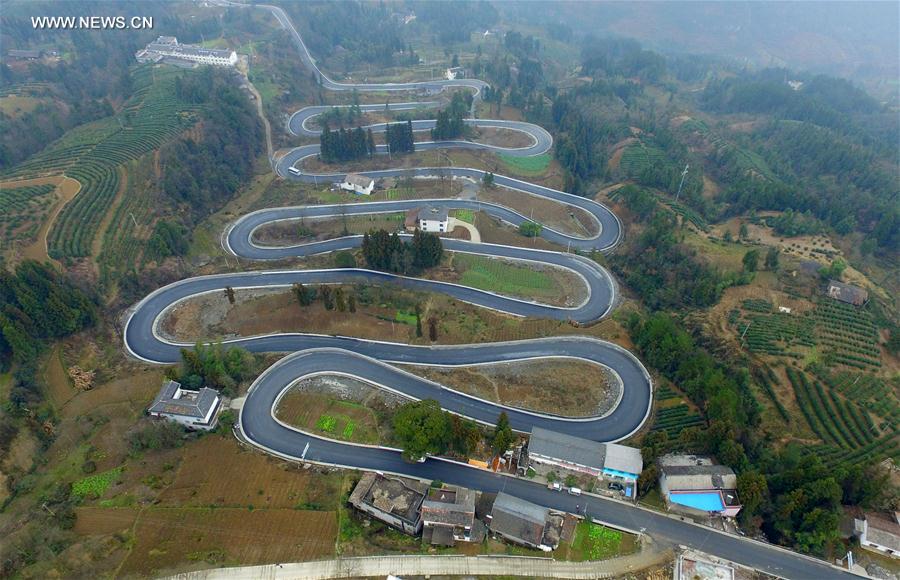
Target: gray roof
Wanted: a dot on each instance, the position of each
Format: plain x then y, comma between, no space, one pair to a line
518,519
455,507
187,50
397,496
433,214
883,532
847,293
584,451
189,404
25,53
694,477
358,180
623,458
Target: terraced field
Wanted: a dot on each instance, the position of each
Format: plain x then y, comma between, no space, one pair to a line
22,210
673,414
848,433
638,157
843,335
93,154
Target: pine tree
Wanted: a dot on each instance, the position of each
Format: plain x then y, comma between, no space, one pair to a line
370,143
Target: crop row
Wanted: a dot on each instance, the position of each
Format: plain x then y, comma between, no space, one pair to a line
832,419
151,117
766,379
757,305
673,420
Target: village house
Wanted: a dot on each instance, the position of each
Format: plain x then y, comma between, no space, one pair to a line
396,501
448,515
605,461
433,219
525,523
878,533
692,485
168,47
847,293
25,54
358,184
193,409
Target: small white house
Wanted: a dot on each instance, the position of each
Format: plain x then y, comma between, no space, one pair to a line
433,219
358,184
193,409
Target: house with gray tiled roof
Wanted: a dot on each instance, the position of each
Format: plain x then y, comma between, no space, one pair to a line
525,523
396,501
449,514
193,409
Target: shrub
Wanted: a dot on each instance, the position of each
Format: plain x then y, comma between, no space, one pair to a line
530,229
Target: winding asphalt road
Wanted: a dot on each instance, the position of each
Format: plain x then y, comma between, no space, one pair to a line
369,360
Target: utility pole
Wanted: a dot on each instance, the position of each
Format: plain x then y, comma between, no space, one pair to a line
134,221
680,185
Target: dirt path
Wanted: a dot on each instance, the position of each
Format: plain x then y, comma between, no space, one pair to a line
473,232
66,190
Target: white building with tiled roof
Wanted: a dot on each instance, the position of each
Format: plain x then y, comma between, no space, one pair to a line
359,184
193,409
168,46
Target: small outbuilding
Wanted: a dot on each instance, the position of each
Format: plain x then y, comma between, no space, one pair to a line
193,409
358,184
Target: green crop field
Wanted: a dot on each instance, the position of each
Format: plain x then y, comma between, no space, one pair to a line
526,165
846,429
674,419
638,157
22,210
844,335
595,542
503,277
95,485
465,215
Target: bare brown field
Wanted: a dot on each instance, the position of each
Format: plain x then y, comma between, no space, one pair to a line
217,472
166,538
502,137
562,217
329,416
287,233
278,311
571,388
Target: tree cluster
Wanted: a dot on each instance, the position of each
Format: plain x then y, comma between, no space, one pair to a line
204,173
214,366
38,304
384,251
345,144
450,122
168,239
400,138
666,273
422,428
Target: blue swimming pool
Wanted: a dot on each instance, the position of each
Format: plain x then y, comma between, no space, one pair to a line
709,501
